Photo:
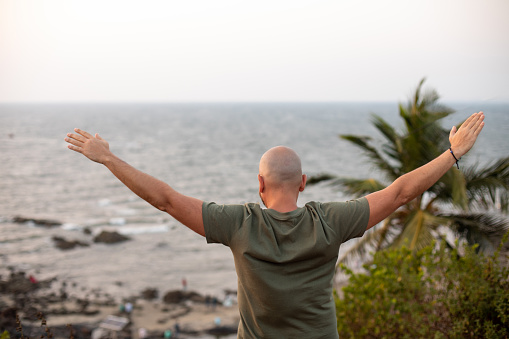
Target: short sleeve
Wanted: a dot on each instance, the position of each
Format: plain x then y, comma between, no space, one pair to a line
349,219
221,221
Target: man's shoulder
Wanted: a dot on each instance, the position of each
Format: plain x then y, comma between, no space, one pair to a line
341,202
247,204
222,221
320,204
339,206
213,207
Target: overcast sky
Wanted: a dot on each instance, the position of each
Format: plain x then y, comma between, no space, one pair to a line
277,50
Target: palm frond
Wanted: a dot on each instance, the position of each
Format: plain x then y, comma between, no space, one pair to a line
480,228
414,104
358,187
393,147
385,128
315,179
373,155
431,109
425,104
488,187
416,232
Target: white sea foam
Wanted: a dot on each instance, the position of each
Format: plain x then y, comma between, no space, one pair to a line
127,211
117,221
134,230
104,202
72,227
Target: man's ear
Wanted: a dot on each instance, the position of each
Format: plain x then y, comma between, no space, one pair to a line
303,183
262,184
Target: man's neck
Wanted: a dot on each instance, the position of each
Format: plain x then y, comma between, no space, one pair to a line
283,207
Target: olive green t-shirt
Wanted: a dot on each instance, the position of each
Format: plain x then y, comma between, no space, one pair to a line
285,263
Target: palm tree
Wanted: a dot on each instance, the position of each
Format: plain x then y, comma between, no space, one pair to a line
472,202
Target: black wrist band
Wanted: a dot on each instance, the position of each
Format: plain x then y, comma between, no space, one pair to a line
457,165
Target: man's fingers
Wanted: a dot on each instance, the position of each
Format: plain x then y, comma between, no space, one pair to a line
479,128
74,142
477,122
474,119
75,148
467,123
453,131
84,133
76,137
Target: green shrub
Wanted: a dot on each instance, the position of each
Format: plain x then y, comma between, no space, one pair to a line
431,293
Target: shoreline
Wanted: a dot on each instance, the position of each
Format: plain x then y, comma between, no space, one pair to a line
40,308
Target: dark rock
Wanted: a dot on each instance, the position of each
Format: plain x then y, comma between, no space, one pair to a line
35,330
18,283
87,231
63,295
110,237
222,330
83,304
89,313
150,293
178,296
38,222
31,313
8,318
64,244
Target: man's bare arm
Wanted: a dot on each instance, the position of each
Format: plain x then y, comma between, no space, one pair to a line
410,185
185,209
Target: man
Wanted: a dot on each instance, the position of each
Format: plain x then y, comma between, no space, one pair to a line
284,255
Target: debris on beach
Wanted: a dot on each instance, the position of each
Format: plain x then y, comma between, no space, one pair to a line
178,296
64,244
150,293
24,300
36,222
110,237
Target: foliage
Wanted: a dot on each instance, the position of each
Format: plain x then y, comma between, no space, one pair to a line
434,292
454,201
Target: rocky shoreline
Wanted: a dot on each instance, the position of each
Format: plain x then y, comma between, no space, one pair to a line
32,308
65,244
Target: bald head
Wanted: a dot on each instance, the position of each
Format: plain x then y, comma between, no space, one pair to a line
281,166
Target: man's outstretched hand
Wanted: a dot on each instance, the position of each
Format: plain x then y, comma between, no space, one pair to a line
93,147
464,138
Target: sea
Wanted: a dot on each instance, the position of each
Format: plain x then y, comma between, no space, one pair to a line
206,150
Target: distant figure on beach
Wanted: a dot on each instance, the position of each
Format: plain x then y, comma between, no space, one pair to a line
177,329
142,333
128,308
285,255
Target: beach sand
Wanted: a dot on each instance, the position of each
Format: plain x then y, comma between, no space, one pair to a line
194,319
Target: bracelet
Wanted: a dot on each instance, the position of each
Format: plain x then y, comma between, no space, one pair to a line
450,149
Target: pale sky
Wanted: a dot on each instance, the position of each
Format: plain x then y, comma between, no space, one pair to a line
277,50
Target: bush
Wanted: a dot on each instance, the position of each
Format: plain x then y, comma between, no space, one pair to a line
431,293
